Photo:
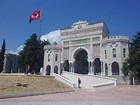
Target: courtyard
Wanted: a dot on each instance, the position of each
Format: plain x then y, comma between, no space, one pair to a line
120,95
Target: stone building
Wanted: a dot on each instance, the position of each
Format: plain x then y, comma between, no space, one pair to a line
88,49
52,59
10,63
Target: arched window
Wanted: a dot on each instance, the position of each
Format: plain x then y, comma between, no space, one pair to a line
97,66
114,52
56,69
48,70
115,68
66,65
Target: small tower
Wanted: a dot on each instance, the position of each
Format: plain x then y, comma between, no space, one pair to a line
52,58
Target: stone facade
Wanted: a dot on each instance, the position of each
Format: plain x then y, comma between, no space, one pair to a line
51,59
89,49
10,63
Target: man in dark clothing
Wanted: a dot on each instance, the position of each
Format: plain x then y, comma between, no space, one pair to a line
79,82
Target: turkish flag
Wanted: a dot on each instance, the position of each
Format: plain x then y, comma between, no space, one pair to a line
36,15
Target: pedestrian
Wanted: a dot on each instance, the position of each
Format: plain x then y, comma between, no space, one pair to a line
33,71
41,70
27,69
61,72
79,82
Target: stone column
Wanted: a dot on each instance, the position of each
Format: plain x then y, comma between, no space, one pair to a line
90,67
93,68
70,67
109,70
62,61
73,67
102,69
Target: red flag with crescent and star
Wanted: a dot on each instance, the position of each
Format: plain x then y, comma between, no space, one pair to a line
36,15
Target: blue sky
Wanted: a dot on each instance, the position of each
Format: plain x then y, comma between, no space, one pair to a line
122,17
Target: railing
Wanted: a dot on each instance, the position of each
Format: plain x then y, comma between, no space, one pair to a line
65,80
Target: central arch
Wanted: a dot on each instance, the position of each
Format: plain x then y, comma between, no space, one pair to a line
81,61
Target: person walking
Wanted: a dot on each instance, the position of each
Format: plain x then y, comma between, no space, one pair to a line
27,69
61,72
79,82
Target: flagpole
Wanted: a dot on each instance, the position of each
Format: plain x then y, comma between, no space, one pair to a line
40,25
40,29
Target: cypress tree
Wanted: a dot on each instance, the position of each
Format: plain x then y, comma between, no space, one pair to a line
2,52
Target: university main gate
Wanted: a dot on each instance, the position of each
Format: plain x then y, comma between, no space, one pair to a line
81,63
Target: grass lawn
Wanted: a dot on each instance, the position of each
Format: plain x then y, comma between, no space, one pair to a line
10,85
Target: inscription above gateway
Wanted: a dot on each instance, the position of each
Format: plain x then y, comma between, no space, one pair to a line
80,24
79,27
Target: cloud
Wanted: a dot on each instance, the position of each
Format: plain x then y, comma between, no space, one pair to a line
53,36
11,52
20,48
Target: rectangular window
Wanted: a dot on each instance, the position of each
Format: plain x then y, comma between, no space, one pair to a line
80,41
105,54
124,51
66,43
96,39
56,57
114,52
48,57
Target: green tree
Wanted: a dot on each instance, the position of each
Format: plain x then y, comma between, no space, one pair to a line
32,53
132,65
125,69
2,52
134,58
136,42
41,52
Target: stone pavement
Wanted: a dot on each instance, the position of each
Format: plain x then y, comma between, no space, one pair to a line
120,95
71,103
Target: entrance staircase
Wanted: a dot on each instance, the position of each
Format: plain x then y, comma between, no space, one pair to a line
87,81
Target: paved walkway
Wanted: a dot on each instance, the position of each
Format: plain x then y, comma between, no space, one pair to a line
120,95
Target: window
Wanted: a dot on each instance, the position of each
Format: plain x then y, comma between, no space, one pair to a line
96,39
105,54
48,57
80,41
124,51
114,52
65,43
56,57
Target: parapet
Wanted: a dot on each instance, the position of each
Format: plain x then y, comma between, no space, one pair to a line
115,38
54,47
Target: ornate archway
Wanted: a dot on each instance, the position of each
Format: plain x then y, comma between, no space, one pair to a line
56,69
97,66
66,65
81,61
